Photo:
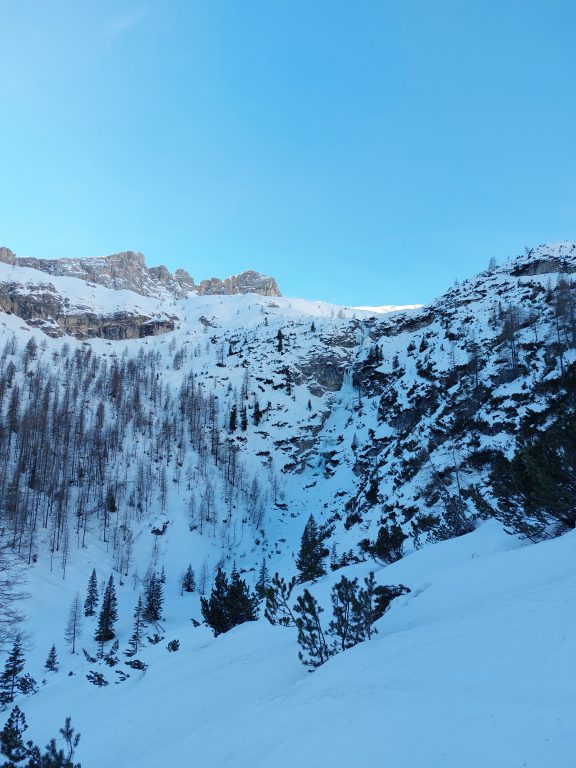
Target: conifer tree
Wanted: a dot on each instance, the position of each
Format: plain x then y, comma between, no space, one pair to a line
241,604
74,625
346,625
13,748
189,580
54,757
214,608
91,596
230,603
310,561
388,546
263,583
153,600
314,648
13,668
367,606
52,661
12,744
334,561
108,615
233,419
278,609
135,641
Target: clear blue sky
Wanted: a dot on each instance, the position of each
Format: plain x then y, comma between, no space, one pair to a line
363,152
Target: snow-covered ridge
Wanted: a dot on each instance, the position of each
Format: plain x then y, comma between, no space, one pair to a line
128,271
386,308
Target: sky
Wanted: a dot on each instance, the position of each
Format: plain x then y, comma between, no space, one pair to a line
365,153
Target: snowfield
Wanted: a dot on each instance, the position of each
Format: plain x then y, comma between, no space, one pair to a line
475,667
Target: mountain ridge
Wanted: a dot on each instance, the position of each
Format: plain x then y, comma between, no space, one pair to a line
127,270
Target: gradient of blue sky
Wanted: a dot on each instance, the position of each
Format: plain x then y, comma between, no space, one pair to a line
362,152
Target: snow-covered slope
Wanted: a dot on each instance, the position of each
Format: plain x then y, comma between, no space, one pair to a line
475,667
385,308
366,422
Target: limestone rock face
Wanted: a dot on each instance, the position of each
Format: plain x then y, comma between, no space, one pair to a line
185,281
44,308
128,271
120,271
39,304
7,257
246,282
323,373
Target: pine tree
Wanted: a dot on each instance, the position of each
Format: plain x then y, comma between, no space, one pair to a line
230,603
388,546
288,380
189,580
241,604
280,339
12,745
278,609
13,668
54,757
346,626
312,553
52,661
135,641
334,561
233,419
263,583
315,650
367,607
74,625
257,413
91,596
108,615
214,608
153,600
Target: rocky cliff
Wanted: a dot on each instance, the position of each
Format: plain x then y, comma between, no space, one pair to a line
128,271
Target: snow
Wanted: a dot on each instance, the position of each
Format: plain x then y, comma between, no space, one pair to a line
474,667
82,296
386,308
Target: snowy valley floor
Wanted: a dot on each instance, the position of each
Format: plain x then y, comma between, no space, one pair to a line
475,668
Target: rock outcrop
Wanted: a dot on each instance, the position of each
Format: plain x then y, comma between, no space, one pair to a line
44,308
246,282
128,271
7,257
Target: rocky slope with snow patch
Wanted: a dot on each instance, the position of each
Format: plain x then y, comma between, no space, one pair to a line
128,271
